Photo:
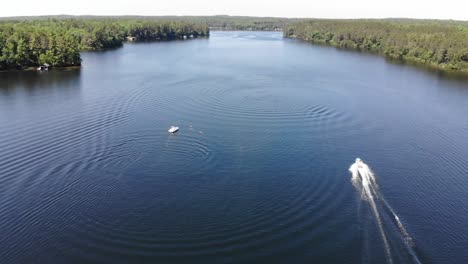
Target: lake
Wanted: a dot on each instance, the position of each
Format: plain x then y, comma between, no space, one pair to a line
258,172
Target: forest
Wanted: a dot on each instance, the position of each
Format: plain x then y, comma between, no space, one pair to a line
58,42
245,23
443,44
222,22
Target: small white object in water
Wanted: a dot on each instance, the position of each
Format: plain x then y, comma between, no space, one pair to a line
173,129
359,163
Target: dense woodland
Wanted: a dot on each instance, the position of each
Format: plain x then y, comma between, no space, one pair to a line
58,42
443,44
223,22
245,23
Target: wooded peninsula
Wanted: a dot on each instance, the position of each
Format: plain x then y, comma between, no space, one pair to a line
58,40
442,44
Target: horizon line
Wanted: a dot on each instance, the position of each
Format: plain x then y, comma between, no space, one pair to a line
225,15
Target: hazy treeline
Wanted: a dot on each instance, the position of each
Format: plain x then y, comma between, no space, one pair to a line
246,23
222,21
58,42
440,43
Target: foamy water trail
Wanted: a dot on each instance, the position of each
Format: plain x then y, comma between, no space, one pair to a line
365,182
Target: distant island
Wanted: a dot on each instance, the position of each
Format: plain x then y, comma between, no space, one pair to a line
439,43
58,40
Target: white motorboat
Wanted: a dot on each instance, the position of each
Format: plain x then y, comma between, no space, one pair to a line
361,172
359,163
173,129
362,168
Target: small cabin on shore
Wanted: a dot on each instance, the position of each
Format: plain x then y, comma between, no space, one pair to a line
130,38
44,67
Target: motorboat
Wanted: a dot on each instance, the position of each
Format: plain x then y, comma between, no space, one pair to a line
359,163
173,129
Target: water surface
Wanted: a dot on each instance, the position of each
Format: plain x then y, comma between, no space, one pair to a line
259,170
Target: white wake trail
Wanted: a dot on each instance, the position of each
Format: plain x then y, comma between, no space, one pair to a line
365,182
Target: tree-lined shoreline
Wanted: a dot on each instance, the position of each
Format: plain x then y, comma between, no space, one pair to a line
58,42
437,43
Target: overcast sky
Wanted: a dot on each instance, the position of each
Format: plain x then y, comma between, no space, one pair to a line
439,9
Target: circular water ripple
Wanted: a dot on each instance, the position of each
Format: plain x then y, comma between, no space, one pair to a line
133,233
244,106
247,106
92,165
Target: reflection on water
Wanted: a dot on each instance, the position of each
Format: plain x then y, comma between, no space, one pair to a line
30,80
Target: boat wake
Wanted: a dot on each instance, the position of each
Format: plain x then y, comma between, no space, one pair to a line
382,228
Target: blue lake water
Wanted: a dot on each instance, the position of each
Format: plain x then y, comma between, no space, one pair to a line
258,172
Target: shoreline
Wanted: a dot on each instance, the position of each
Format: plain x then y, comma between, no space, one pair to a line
401,60
396,60
59,43
34,69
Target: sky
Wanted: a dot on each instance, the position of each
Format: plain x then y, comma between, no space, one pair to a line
435,9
